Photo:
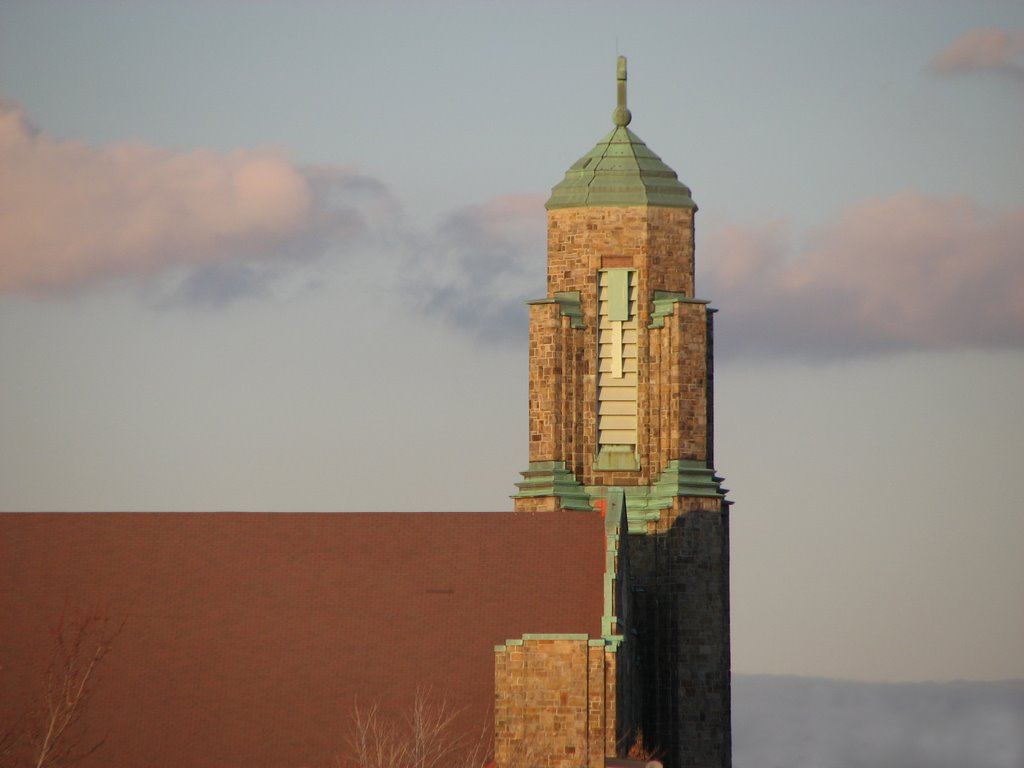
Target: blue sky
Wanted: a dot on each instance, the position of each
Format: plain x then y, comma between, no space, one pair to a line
273,256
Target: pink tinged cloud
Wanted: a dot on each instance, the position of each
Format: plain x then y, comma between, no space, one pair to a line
898,273
71,213
983,50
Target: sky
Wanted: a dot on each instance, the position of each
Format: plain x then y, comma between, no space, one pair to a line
273,256
802,722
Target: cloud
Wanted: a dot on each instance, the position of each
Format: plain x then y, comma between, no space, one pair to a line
907,272
479,265
73,215
207,229
204,229
983,50
214,286
351,215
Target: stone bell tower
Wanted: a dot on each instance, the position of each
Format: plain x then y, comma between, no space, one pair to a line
621,396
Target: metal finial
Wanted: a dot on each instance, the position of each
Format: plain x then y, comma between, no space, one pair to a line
621,116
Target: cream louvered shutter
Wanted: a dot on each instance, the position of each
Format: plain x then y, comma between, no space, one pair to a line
616,379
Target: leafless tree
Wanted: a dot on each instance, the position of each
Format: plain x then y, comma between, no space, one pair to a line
52,733
427,737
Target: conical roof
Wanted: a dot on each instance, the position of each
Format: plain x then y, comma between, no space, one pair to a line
620,170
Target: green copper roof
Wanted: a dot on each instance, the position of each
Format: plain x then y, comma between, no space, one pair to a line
620,170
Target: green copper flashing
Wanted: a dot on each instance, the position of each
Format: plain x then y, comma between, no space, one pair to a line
552,478
688,478
665,304
680,478
611,643
617,458
614,521
569,305
620,170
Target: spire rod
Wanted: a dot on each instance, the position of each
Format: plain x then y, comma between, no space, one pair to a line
621,116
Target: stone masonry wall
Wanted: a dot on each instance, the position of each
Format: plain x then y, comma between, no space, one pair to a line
682,617
556,357
674,407
658,244
681,565
555,703
656,241
545,382
537,504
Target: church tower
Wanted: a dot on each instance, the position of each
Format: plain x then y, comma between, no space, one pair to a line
620,388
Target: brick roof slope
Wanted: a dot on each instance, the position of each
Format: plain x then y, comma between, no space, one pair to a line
249,636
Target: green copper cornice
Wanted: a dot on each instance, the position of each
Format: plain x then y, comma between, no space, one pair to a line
688,478
568,306
681,477
665,304
552,478
612,643
620,170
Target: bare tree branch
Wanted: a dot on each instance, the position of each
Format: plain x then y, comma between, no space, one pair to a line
52,734
425,738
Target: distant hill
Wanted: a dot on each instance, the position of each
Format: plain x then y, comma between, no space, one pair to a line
805,722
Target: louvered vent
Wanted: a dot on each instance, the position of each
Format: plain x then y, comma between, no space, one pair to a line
617,370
